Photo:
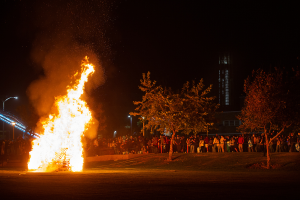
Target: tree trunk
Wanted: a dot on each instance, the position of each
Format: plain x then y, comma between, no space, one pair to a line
171,147
268,152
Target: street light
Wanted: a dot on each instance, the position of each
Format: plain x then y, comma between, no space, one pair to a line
143,126
3,110
13,123
130,123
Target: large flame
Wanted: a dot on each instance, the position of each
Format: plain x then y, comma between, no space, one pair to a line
61,141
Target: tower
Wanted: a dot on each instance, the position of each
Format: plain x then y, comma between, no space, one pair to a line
224,82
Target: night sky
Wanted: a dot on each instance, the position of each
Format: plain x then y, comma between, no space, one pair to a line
177,41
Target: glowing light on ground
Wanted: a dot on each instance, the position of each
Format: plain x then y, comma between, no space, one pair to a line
60,144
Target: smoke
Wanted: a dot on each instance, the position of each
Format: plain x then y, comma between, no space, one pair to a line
68,31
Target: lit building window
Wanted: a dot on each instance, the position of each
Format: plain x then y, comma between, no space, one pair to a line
226,123
226,87
223,60
237,122
219,86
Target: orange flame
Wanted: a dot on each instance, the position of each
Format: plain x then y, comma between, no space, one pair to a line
61,141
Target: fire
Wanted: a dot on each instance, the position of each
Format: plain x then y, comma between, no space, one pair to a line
61,141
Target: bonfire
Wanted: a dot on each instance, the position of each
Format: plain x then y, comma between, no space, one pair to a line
60,146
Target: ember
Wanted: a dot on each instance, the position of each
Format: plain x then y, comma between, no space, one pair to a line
60,147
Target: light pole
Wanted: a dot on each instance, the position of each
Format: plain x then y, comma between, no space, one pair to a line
13,123
130,123
143,126
207,126
3,111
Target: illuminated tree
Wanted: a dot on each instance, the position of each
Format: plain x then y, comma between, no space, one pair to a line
189,110
271,103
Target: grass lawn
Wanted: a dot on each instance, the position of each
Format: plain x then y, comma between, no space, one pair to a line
206,161
188,176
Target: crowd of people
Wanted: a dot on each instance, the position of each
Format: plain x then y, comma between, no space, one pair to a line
161,144
14,148
194,144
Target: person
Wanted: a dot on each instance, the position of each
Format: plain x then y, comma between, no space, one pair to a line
263,143
232,145
125,146
167,144
228,143
141,143
210,145
285,144
259,144
288,143
215,144
155,144
178,144
297,146
95,147
222,141
278,144
253,141
131,144
201,144
188,143
149,146
256,143
273,141
196,142
250,145
144,149
114,146
206,141
292,143
218,144
162,144
183,144
271,149
192,144
241,142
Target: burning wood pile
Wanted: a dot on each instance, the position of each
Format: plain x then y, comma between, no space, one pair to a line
59,148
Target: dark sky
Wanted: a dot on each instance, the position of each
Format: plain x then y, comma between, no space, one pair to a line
177,41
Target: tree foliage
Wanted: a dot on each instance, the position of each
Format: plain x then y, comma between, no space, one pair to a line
272,102
188,110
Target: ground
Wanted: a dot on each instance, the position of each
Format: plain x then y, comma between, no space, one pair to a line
188,176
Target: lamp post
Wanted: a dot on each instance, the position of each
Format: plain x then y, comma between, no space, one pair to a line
13,124
130,123
3,111
143,126
207,127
